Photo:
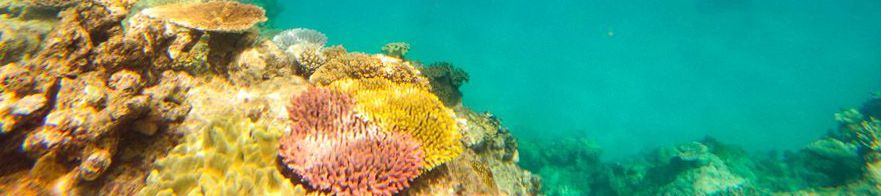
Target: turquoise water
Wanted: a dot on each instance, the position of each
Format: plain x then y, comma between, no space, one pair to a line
634,75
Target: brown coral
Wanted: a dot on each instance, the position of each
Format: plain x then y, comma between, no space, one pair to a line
335,151
211,16
445,82
359,65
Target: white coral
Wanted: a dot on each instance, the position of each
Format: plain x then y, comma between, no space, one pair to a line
299,36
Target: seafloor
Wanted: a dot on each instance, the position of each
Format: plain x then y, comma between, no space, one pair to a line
177,97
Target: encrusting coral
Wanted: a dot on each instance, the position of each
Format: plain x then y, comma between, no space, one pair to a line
408,108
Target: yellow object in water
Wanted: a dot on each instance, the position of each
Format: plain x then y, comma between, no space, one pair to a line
407,108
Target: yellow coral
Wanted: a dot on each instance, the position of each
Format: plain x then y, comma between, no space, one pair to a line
408,108
226,156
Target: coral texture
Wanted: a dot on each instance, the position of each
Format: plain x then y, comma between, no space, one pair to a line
292,37
335,151
210,16
359,65
445,81
396,49
407,108
230,142
98,98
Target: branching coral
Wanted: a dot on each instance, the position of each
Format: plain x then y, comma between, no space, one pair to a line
210,16
308,56
358,65
410,109
335,151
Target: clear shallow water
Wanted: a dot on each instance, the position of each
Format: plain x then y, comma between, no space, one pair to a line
634,74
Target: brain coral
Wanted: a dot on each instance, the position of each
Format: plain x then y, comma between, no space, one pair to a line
358,65
228,155
210,16
409,109
335,151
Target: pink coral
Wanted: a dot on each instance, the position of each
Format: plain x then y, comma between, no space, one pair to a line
318,110
333,150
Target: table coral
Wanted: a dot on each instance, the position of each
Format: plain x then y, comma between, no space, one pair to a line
210,16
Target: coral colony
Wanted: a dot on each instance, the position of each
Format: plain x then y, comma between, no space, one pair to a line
187,97
160,97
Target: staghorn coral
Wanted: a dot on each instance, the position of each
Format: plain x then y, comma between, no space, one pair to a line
410,109
223,16
396,49
358,65
298,36
335,151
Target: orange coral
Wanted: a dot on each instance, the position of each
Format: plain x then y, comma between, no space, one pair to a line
210,16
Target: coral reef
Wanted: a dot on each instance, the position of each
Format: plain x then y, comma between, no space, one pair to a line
228,155
298,36
844,162
487,167
334,150
102,98
211,16
359,65
305,46
445,81
396,49
407,108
